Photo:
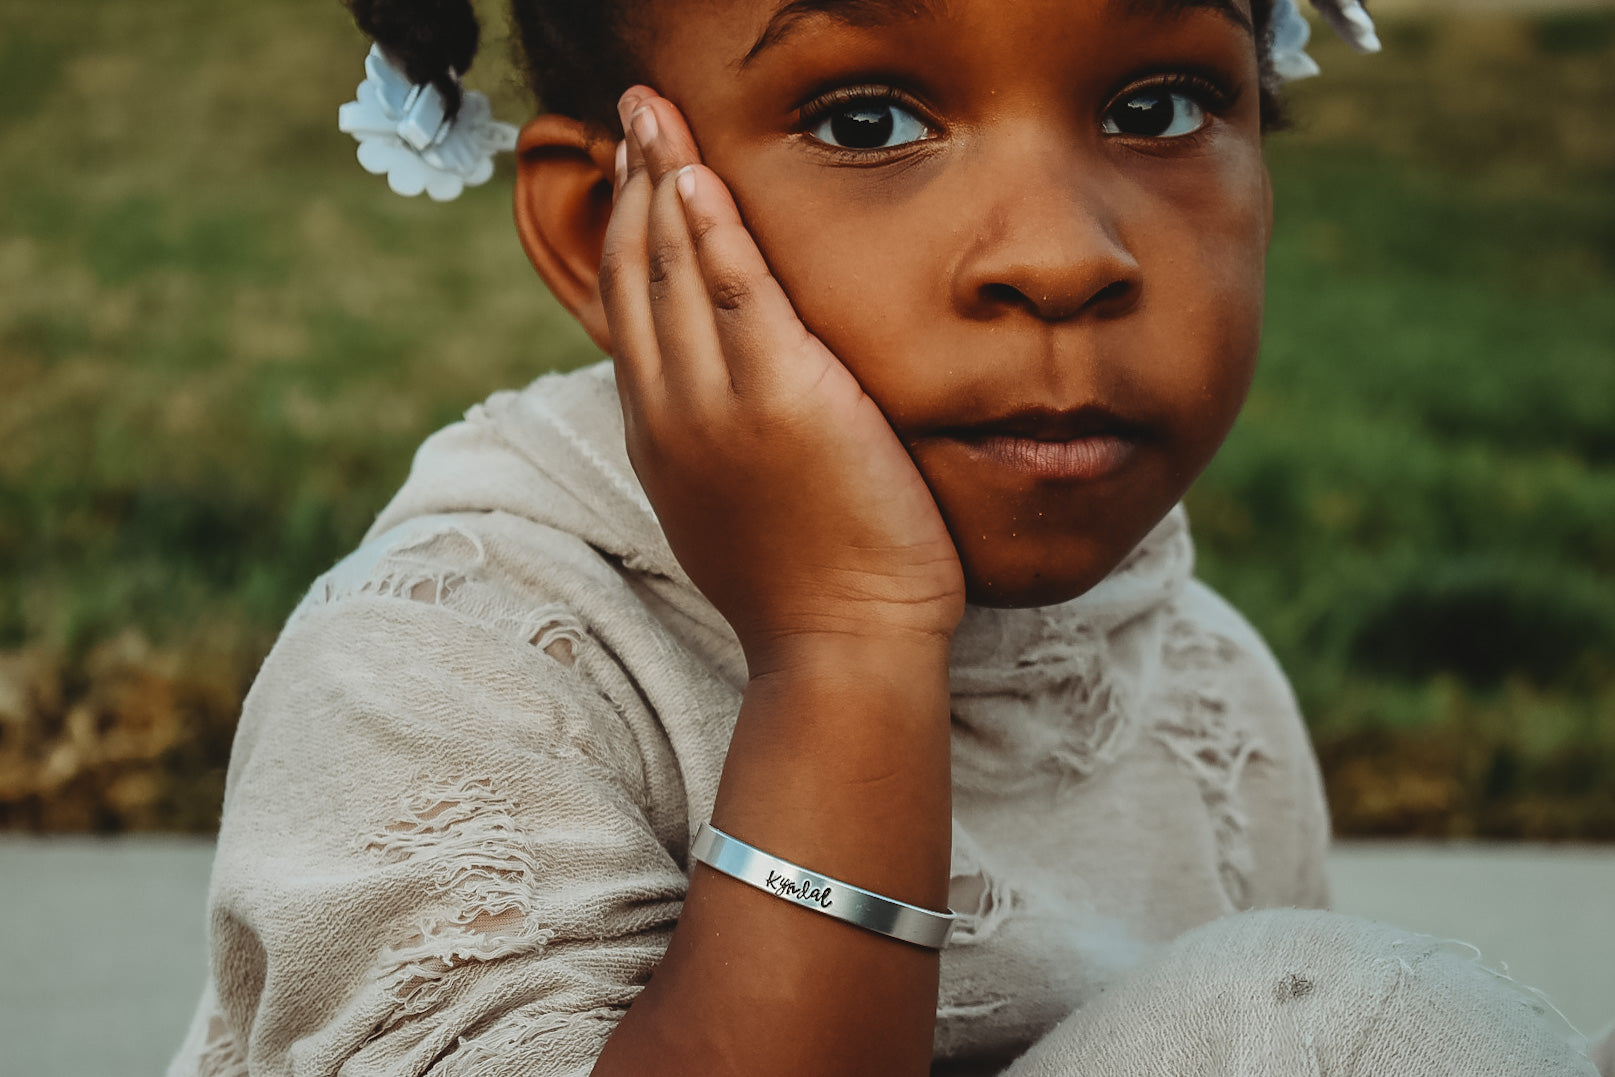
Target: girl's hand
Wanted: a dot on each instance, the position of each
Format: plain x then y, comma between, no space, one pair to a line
782,488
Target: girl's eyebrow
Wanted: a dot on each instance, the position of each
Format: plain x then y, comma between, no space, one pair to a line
880,12
852,12
1229,9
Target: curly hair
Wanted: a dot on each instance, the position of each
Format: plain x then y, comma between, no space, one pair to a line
575,53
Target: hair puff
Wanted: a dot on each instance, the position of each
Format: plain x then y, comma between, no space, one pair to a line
432,40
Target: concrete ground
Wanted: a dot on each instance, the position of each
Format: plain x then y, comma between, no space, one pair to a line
1471,7
101,942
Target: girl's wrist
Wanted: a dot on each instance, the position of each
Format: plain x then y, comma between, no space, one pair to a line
901,658
863,737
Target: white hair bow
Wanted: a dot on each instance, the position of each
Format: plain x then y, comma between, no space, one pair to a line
1291,34
404,132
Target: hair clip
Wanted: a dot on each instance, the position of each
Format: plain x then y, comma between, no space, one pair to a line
404,132
1291,33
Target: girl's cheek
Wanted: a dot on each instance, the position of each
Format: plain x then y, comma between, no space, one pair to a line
850,266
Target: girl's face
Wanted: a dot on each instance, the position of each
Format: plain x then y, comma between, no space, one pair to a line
1034,230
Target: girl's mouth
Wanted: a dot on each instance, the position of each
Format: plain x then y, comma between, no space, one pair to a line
1084,459
1086,444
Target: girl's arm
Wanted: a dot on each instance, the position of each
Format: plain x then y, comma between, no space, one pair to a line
793,506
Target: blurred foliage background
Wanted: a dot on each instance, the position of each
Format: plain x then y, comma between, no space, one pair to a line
220,341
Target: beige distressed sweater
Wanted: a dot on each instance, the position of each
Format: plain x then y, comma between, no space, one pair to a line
458,810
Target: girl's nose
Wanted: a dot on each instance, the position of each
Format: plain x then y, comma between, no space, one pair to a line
1051,248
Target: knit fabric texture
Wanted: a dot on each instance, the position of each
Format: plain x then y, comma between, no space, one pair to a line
1301,993
456,825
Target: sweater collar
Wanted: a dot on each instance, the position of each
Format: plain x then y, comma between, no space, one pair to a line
1032,685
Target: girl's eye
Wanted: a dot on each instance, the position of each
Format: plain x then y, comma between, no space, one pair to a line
1155,113
869,125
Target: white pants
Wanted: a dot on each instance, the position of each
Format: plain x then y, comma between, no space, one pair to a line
1303,993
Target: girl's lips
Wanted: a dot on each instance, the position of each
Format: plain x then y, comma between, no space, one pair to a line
1079,459
1083,444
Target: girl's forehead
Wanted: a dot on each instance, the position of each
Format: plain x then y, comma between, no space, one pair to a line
783,15
887,10
754,27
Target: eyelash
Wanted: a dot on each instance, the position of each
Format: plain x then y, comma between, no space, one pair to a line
821,108
1215,98
1211,95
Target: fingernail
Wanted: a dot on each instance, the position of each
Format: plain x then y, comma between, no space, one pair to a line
622,161
685,182
645,126
625,107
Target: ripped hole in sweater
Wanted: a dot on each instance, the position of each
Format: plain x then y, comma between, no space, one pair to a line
559,640
981,902
561,650
482,877
1214,746
435,590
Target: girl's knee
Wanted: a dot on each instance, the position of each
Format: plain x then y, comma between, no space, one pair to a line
1288,992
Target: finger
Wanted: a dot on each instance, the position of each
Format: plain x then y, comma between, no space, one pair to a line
694,367
624,290
761,336
692,363
665,137
627,105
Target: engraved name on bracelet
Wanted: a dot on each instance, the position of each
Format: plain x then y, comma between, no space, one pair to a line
802,891
829,897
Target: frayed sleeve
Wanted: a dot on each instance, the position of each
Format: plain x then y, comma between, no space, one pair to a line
439,853
1284,819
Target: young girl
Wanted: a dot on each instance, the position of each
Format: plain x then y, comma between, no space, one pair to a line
666,711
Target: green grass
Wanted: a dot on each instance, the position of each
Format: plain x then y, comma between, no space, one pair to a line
1416,506
220,341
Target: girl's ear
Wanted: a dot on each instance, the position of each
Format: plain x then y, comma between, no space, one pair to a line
563,203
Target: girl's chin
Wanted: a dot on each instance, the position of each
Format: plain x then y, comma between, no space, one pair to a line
1019,587
1044,558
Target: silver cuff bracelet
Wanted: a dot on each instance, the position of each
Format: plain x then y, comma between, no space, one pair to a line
832,897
